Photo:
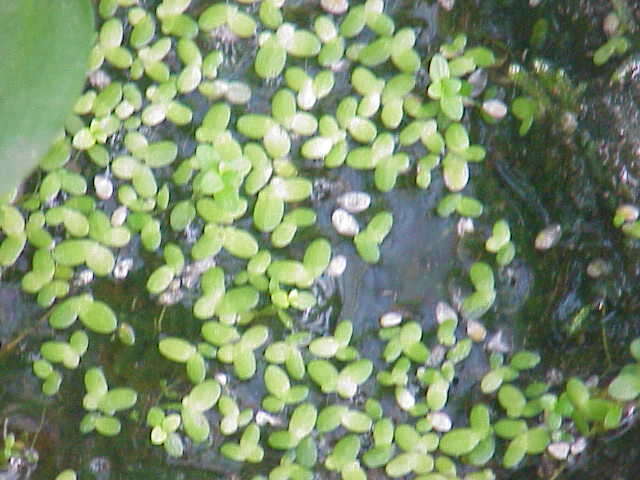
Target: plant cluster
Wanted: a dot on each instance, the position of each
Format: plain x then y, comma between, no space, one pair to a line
216,220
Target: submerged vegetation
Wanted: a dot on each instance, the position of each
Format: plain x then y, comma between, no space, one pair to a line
199,161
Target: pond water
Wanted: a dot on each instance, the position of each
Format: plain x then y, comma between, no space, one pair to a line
546,301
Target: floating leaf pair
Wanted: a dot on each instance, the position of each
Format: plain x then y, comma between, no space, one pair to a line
272,54
240,352
229,16
302,423
500,243
334,345
181,351
477,304
248,449
281,392
94,314
288,353
99,397
368,241
345,382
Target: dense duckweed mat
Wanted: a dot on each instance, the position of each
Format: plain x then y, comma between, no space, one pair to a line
265,246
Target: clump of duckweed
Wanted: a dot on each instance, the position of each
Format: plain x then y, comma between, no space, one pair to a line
626,218
617,25
215,220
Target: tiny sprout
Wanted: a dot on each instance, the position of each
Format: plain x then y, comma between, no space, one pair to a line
337,266
548,237
440,421
559,450
390,319
103,186
476,331
344,223
495,108
354,202
336,7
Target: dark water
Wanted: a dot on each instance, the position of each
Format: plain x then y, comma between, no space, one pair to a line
576,179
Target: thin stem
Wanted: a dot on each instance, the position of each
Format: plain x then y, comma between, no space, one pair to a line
8,348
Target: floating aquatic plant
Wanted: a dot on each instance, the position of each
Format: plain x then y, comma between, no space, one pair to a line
216,221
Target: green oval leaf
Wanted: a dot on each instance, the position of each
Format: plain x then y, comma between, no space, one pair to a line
203,396
195,425
108,426
118,399
626,386
276,381
303,419
459,441
99,317
176,349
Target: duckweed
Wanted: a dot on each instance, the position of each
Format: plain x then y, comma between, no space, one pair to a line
67,474
243,189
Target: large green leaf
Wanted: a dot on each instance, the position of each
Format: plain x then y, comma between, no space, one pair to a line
44,46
